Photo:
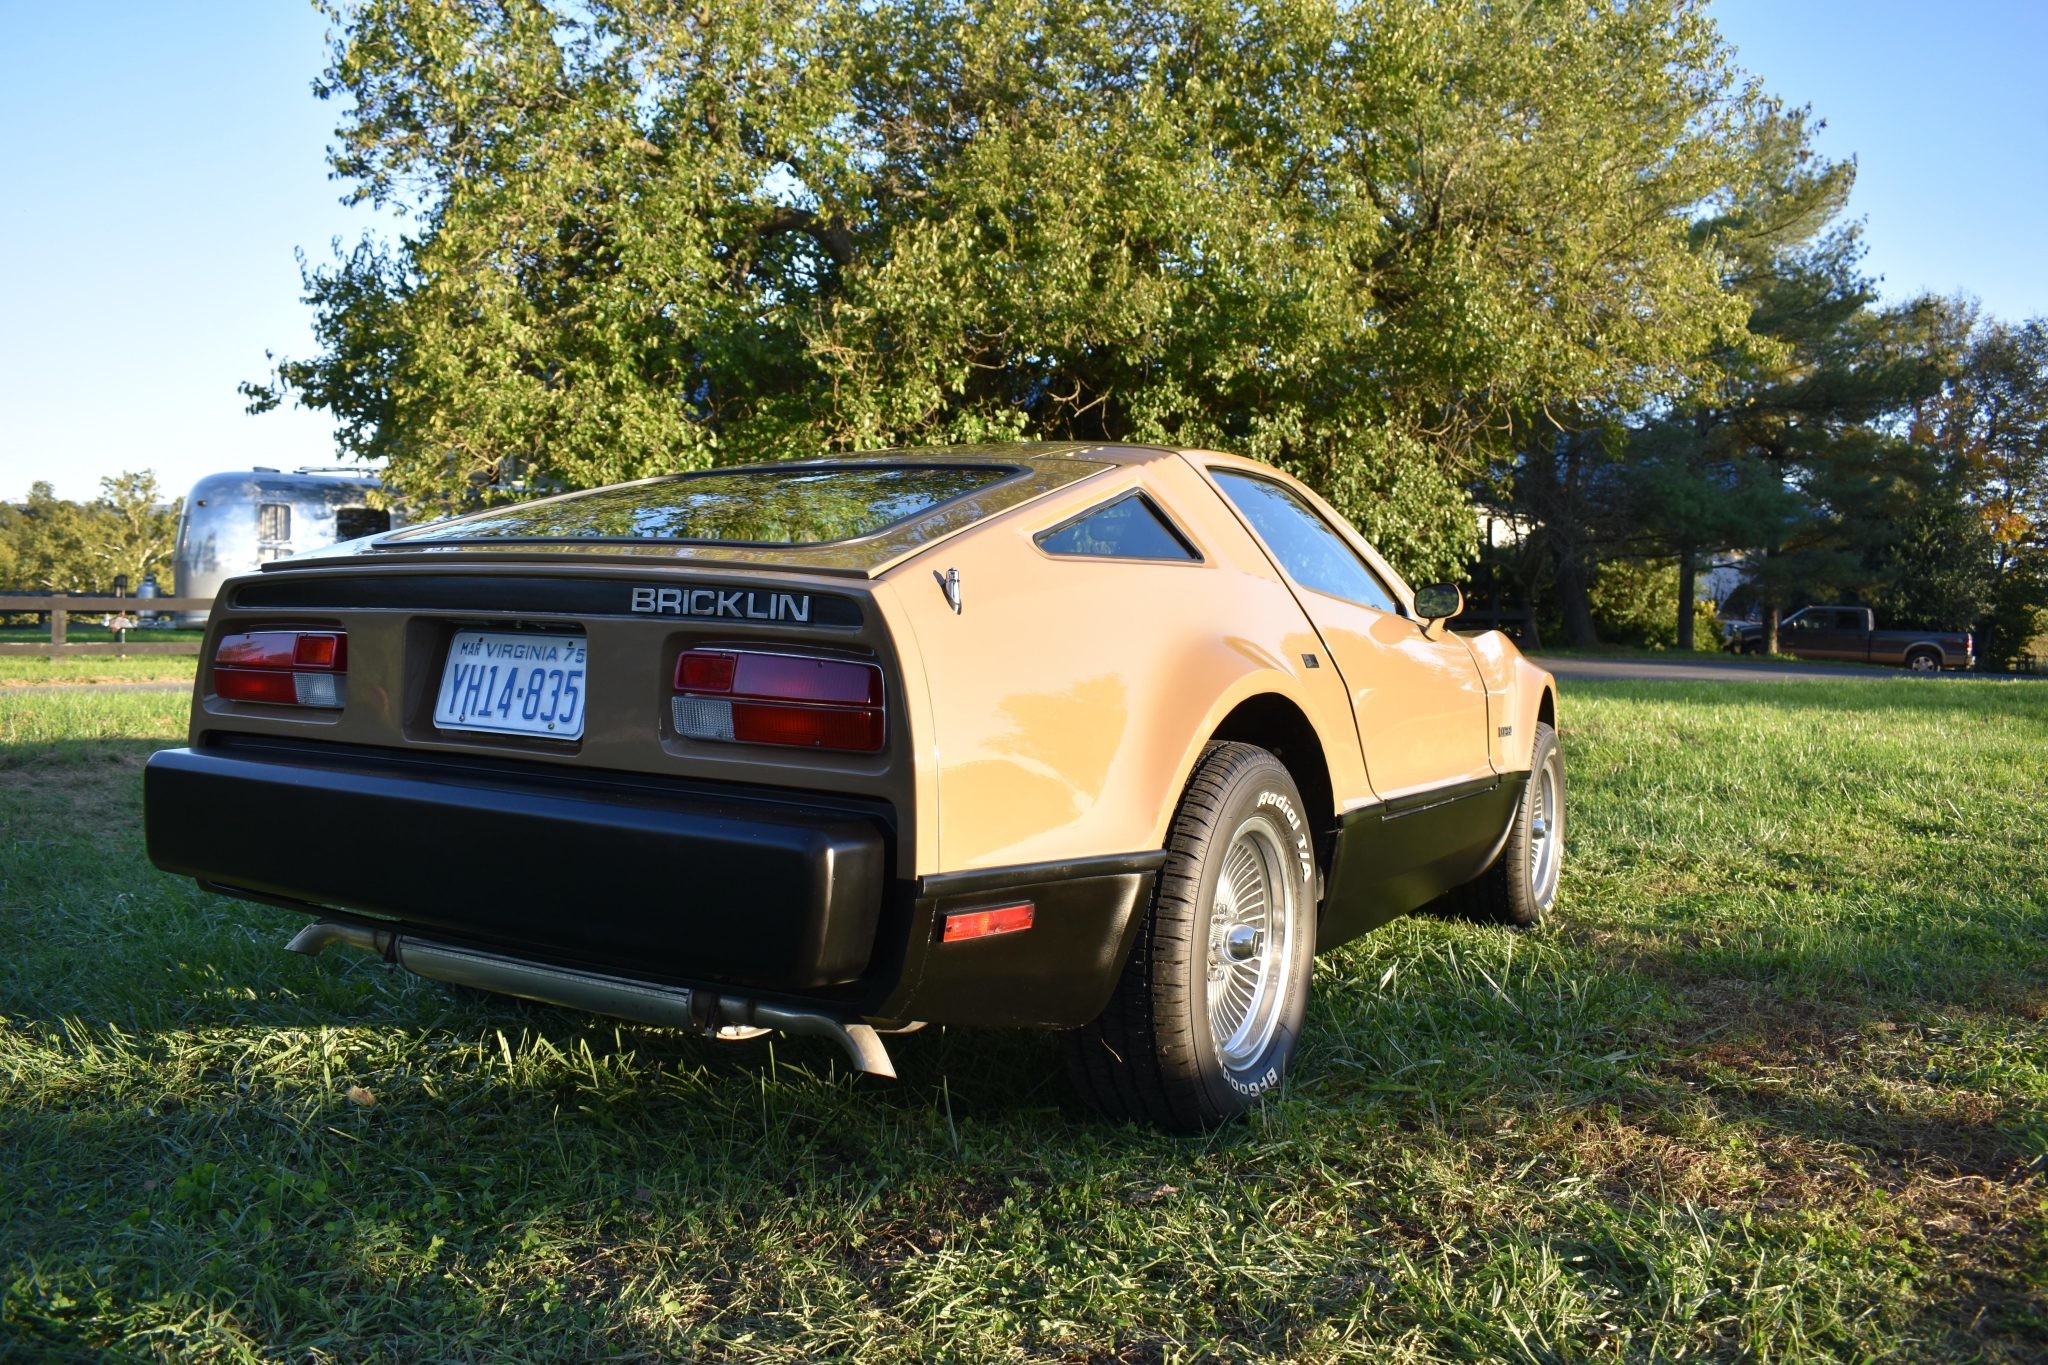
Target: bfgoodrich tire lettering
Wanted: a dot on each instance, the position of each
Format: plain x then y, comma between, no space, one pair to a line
1205,1017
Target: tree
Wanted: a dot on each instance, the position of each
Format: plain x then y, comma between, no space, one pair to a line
1796,452
1990,424
132,532
1685,472
50,544
48,537
1372,243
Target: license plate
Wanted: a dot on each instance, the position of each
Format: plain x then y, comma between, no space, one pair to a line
510,682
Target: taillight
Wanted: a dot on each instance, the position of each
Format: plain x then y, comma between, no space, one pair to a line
797,700
287,667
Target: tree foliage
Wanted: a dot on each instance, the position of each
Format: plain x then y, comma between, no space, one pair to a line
50,544
1989,427
1376,243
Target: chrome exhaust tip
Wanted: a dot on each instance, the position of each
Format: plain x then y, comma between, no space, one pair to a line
643,1002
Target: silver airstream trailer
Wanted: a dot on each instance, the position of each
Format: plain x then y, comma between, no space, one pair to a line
235,522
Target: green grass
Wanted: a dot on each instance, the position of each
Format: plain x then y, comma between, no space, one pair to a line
28,670
1708,653
1773,1087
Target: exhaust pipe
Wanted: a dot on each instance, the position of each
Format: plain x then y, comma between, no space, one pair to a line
643,1002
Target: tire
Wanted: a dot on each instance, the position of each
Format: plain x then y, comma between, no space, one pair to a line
1521,885
1205,1017
1923,661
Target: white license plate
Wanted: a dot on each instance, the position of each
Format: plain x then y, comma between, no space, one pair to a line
510,682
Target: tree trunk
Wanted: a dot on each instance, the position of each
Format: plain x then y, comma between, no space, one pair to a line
1574,602
1771,628
1688,590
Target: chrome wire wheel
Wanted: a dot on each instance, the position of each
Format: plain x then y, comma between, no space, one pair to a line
1251,943
1546,834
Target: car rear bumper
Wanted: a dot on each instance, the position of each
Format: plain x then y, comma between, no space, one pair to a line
662,882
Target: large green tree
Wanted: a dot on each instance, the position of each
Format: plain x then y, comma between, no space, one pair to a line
51,544
1795,451
1374,242
1989,424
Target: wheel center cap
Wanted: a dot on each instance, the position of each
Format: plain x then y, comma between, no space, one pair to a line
1242,942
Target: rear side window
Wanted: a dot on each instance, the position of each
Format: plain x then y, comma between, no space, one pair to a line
1129,528
1308,548
273,521
770,505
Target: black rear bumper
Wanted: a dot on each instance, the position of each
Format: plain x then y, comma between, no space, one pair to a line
664,883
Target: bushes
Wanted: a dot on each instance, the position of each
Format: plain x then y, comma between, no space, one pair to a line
1632,605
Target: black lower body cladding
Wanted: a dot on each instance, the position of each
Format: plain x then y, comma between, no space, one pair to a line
1057,974
789,895
779,895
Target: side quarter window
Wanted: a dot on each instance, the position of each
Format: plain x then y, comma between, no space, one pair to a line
1308,548
1129,528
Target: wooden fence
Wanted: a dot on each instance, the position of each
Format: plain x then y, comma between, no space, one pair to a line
61,607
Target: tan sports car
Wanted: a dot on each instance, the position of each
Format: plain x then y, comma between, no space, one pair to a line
1108,739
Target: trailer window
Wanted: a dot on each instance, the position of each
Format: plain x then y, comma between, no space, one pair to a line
353,522
797,504
273,521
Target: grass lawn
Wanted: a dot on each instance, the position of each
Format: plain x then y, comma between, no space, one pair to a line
28,670
1774,1086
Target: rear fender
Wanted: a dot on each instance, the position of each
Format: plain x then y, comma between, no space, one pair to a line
1339,751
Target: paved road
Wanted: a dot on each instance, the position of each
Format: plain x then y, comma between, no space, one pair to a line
1728,670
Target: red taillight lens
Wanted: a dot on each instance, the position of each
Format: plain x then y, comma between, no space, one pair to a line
779,677
249,684
325,650
797,700
1003,919
284,667
702,671
810,727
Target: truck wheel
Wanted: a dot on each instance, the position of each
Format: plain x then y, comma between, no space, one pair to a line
1520,887
1923,661
1206,1014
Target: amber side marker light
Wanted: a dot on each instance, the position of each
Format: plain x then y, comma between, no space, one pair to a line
1003,919
283,667
797,700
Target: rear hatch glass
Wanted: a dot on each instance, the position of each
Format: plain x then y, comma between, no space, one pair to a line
786,505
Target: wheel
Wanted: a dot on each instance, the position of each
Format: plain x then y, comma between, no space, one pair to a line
1204,1019
1923,661
1520,887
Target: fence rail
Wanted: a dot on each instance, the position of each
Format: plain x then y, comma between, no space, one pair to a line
61,607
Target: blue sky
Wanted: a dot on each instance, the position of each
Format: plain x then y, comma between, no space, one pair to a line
163,161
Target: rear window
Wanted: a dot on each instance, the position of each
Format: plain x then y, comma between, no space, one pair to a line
793,505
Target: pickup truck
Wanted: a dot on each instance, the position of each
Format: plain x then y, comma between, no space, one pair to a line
1850,633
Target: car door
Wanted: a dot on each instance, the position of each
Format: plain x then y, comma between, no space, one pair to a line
1849,638
1804,633
1843,636
1826,633
1418,698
